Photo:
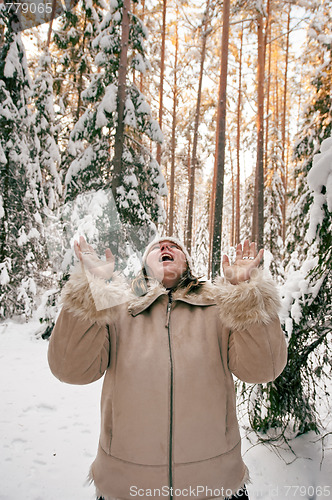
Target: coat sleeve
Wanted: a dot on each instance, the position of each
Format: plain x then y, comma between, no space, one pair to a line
257,350
79,347
78,351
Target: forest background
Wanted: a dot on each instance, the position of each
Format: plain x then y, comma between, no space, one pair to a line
214,127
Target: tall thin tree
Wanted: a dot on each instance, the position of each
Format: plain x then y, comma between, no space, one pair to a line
162,76
221,143
173,137
283,130
193,163
258,212
238,142
268,97
121,97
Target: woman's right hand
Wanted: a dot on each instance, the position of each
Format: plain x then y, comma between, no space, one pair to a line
91,262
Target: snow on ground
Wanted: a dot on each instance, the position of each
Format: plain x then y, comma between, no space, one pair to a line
48,430
49,434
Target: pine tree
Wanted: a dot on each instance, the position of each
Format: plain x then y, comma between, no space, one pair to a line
44,123
49,157
73,57
200,252
72,39
140,182
217,202
307,293
247,207
316,126
274,196
293,397
21,194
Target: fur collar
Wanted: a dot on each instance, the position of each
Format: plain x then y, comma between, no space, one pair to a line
92,299
204,295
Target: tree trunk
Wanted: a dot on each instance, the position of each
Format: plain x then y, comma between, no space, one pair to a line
232,235
121,98
238,144
267,26
268,87
173,138
258,212
283,132
193,164
134,70
161,82
211,214
50,26
187,201
80,78
141,76
220,146
4,219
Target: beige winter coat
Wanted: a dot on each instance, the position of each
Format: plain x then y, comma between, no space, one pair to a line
168,414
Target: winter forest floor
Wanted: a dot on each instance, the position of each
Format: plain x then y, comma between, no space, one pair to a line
49,434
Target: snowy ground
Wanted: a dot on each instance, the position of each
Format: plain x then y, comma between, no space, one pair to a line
49,434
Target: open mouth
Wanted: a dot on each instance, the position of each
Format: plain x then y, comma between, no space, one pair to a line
166,257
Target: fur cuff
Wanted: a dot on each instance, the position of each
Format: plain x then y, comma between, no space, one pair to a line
242,305
90,298
99,494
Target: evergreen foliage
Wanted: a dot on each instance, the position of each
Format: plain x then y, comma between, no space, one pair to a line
92,139
85,66
317,126
307,296
73,60
247,207
47,150
274,195
200,253
21,195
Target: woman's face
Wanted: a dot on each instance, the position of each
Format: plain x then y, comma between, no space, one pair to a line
166,262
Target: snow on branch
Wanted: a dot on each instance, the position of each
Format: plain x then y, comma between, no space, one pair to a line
320,182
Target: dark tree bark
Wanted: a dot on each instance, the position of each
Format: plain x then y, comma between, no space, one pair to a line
220,146
80,78
161,82
121,97
232,234
173,138
268,97
211,213
284,176
258,212
141,76
238,144
50,26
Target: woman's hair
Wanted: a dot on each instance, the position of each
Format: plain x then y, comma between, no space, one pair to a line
140,284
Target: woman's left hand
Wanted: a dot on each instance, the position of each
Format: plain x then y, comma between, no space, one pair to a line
247,259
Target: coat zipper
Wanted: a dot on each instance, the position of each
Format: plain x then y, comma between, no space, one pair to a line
170,471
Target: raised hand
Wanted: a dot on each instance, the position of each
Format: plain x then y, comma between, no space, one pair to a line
91,262
247,259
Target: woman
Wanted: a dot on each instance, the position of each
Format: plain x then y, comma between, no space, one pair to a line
168,349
